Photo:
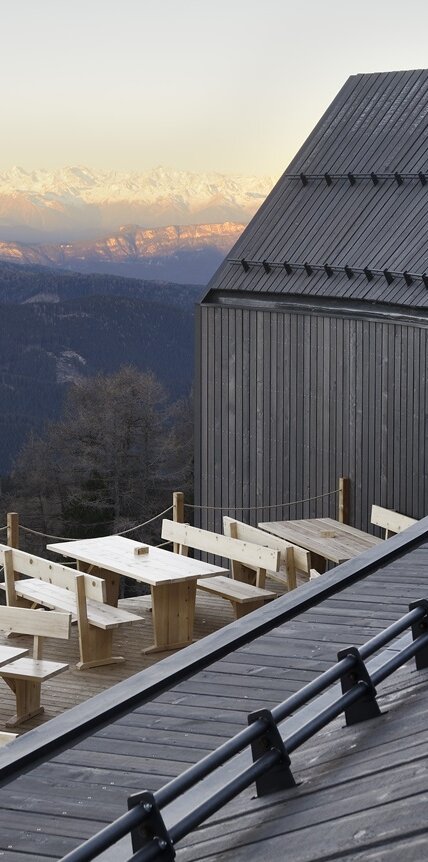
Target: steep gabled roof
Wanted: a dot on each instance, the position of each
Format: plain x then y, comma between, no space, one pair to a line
355,196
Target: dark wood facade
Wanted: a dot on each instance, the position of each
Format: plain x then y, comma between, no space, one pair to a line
296,398
311,342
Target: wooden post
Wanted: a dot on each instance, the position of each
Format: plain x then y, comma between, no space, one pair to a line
177,513
12,530
343,500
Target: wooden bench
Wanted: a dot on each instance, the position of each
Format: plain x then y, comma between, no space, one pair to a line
295,566
244,597
390,521
25,675
57,587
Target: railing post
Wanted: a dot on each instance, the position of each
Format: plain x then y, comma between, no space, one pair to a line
12,530
177,512
343,507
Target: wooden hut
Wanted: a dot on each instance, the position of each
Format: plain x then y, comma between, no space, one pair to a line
311,345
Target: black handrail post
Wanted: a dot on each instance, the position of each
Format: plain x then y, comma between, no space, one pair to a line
419,628
366,707
152,826
279,776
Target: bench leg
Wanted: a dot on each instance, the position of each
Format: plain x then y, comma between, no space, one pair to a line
244,608
27,693
173,614
96,648
95,644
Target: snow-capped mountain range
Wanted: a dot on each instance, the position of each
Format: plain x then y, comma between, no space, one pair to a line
78,202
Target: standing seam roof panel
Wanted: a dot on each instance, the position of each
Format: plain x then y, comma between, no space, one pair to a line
377,123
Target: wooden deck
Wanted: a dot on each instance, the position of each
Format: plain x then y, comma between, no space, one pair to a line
51,800
75,686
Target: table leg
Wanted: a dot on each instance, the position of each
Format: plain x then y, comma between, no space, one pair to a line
173,608
112,586
111,578
318,563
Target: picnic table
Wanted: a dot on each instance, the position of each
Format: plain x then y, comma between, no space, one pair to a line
171,577
324,537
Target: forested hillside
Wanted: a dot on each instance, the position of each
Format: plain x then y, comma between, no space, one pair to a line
21,283
57,327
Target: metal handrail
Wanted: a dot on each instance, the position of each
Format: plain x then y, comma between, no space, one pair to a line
144,819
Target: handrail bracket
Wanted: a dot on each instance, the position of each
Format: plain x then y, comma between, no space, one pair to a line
152,826
367,706
279,776
418,629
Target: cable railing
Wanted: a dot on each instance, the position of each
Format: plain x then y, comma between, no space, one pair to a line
179,505
263,508
122,533
270,770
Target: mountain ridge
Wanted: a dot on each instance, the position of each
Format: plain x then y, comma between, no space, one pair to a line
176,252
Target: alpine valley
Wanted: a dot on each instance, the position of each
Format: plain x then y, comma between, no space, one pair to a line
57,327
100,269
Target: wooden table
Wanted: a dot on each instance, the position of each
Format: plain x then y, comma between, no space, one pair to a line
324,537
171,577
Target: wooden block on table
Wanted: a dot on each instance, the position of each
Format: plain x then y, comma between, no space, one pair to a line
141,549
327,534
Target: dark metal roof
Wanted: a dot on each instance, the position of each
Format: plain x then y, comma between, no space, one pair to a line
80,785
356,196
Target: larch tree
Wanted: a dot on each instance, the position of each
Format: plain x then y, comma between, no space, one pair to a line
111,461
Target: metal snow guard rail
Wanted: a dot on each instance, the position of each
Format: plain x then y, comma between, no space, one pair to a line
270,770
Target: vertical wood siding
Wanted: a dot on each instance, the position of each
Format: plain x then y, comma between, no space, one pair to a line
290,401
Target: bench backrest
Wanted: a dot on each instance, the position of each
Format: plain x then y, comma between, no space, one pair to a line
53,573
254,556
390,521
25,621
302,558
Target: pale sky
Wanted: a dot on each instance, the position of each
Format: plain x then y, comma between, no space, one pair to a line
203,85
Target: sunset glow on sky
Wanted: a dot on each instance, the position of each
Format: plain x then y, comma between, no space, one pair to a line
233,86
